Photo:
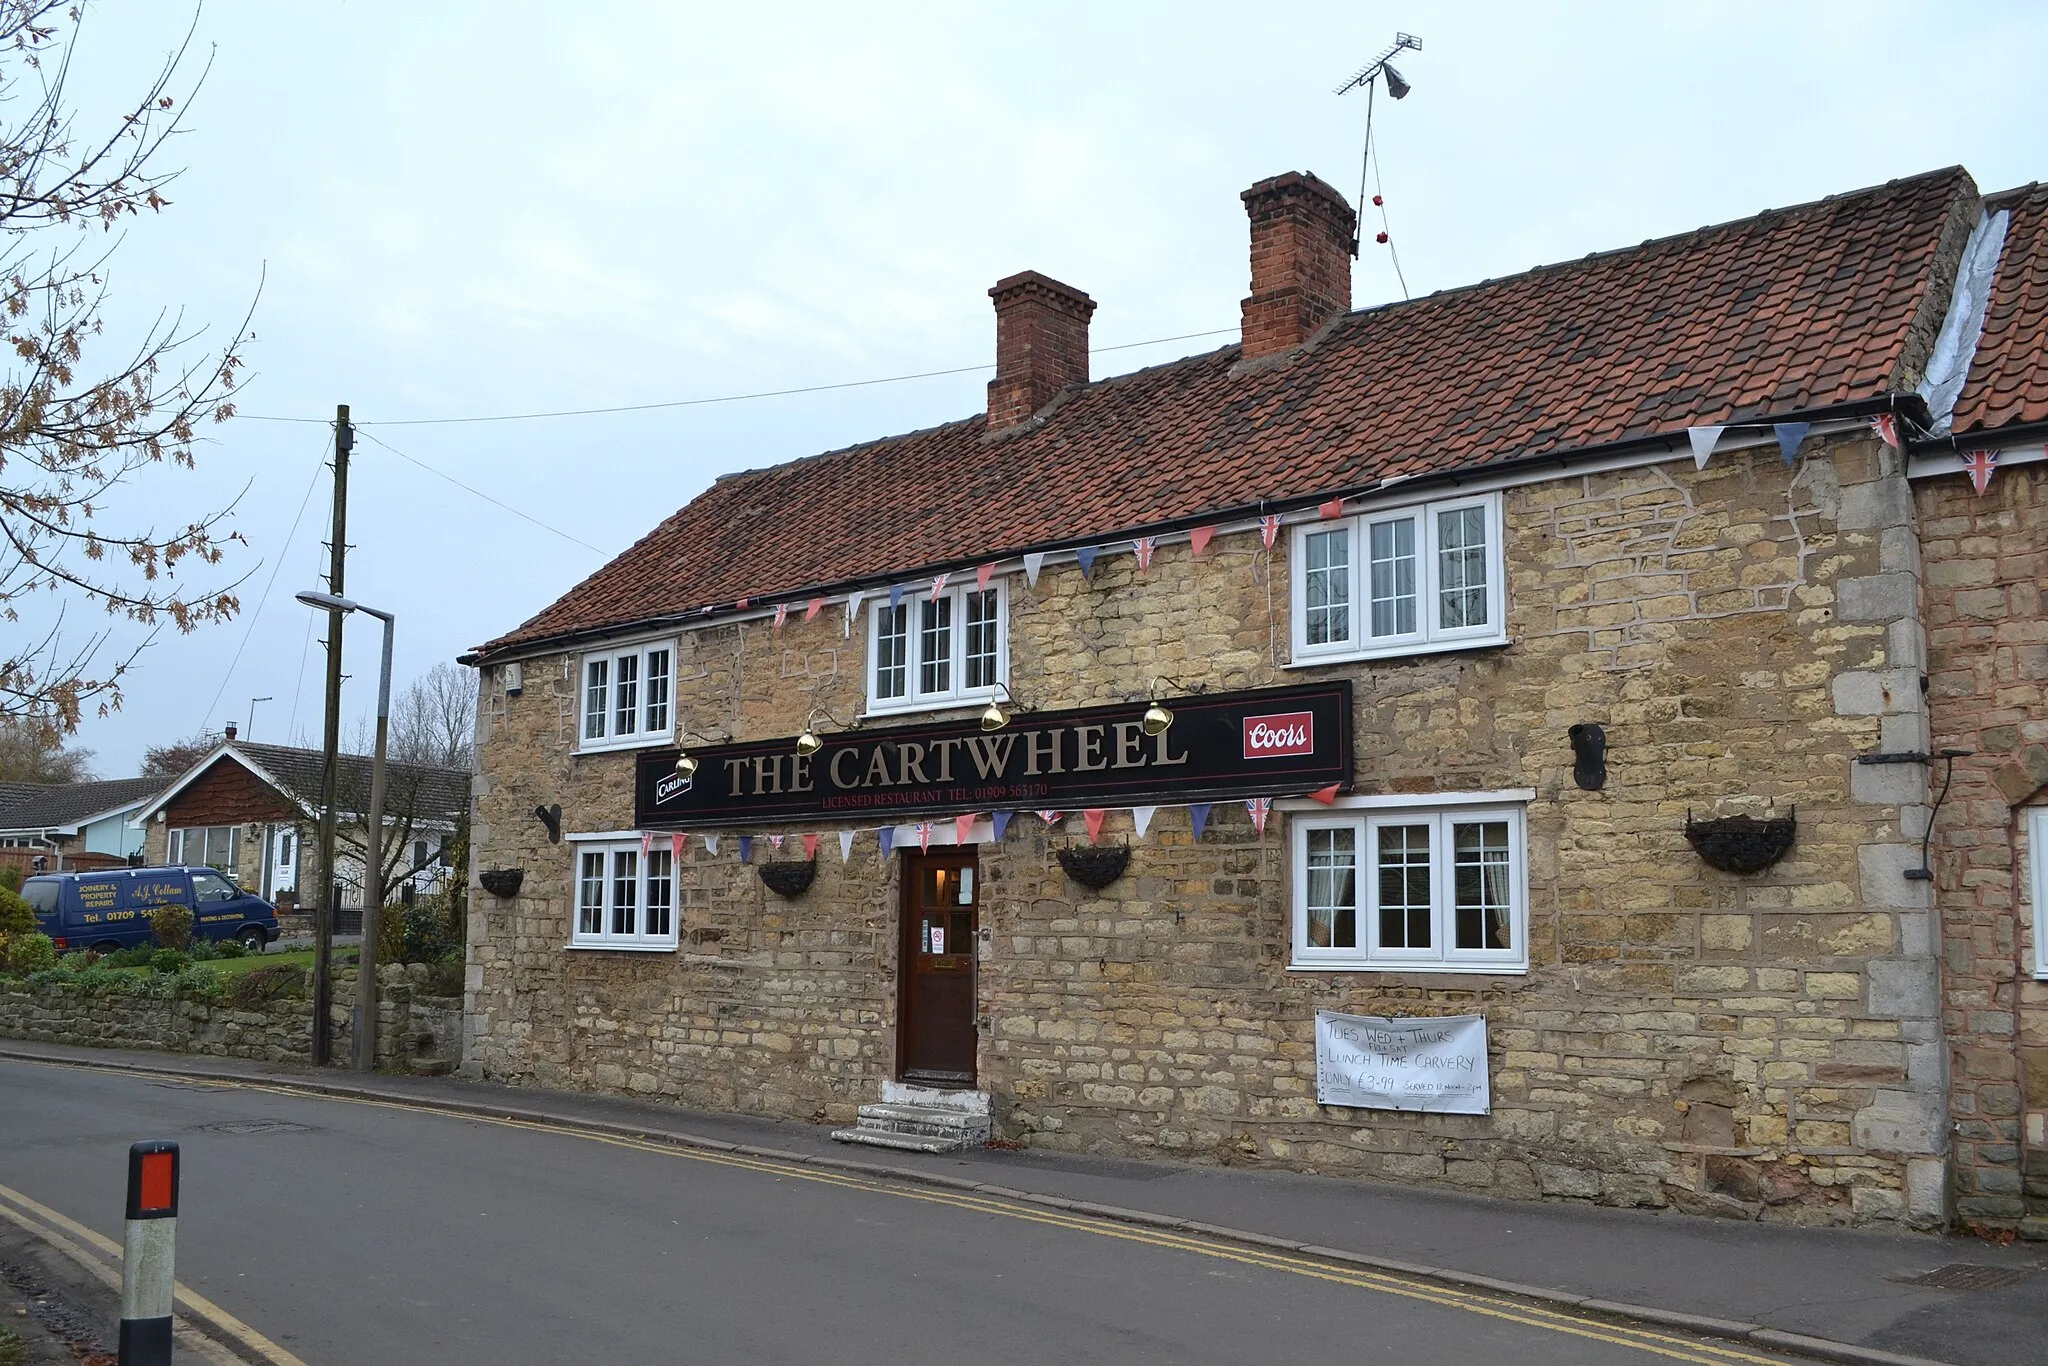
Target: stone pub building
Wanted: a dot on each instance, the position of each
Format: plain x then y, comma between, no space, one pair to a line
1550,650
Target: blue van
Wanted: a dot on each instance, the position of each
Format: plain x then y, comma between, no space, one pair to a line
110,909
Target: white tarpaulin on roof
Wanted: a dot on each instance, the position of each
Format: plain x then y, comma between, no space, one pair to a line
1371,1063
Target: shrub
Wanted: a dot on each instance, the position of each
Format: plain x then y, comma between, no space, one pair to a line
78,960
16,916
445,977
204,951
136,956
170,961
267,984
31,952
11,877
230,948
420,933
172,926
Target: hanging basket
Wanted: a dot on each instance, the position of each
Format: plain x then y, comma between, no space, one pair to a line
502,882
789,879
1094,865
1741,844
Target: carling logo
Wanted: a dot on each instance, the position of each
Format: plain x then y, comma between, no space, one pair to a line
668,788
1271,737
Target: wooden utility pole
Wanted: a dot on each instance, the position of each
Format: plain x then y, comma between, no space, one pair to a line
330,890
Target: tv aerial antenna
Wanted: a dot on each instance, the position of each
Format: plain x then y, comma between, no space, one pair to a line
1369,77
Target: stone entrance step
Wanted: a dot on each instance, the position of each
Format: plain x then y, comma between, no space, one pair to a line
919,1119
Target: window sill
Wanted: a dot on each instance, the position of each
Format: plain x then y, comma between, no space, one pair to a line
621,948
624,746
1420,969
979,698
1440,647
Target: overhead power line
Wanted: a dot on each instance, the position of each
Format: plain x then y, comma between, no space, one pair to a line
701,402
477,491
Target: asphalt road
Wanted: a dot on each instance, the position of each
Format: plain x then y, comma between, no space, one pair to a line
357,1232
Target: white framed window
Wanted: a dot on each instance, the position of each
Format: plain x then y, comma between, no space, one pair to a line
1429,889
2037,859
625,899
213,845
934,652
626,696
1404,581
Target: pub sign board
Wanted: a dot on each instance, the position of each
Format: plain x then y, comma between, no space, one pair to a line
1267,742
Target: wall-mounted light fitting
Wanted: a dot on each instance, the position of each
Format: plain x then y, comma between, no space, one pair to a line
1157,718
995,718
810,742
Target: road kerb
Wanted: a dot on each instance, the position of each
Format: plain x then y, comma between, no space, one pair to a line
1726,1329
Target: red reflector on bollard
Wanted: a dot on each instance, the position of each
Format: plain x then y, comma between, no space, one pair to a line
153,1181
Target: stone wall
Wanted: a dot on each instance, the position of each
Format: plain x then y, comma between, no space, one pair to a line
416,1032
1987,559
1761,1044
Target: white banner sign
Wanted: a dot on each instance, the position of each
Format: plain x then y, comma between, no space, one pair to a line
1369,1063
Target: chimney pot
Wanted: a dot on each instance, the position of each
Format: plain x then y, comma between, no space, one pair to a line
1041,345
1302,231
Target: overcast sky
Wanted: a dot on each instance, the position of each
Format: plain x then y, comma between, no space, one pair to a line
471,209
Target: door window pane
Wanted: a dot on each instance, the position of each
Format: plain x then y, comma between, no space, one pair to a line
1393,577
1479,885
1403,856
660,892
625,879
935,646
892,650
1461,567
596,688
1326,586
590,894
657,691
1333,889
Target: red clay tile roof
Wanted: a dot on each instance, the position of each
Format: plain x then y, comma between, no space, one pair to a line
2008,383
1793,310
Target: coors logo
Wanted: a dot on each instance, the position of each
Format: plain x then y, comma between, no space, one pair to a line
1271,737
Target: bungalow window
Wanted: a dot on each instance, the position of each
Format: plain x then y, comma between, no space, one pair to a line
212,845
932,652
626,697
625,898
1435,890
1419,579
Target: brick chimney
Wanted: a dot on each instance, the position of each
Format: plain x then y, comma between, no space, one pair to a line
1302,232
231,732
1041,345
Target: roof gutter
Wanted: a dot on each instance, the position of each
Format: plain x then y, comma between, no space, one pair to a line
1909,405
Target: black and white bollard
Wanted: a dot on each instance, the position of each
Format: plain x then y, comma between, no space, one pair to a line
148,1278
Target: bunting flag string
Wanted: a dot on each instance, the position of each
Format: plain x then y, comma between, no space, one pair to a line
811,609
1198,540
1093,818
1141,818
646,843
1085,557
1703,440
1032,564
983,575
746,848
1260,807
853,602
1332,509
678,846
811,847
1269,529
1981,465
895,596
1001,822
775,843
1198,816
711,843
1886,425
963,826
1791,435
1326,795
887,835
1144,546
924,836
781,614
939,586
846,846
1051,817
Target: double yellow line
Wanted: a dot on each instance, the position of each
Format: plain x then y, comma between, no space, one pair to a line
1650,1342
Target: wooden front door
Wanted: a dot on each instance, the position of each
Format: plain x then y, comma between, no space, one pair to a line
935,1027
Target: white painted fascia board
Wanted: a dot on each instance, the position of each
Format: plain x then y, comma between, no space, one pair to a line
595,836
1934,464
1411,801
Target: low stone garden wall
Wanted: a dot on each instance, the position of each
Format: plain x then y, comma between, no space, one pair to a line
416,1032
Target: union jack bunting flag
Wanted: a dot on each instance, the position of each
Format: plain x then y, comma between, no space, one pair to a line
775,841
1051,817
938,586
1981,466
924,836
781,614
1260,807
1886,425
1269,529
1145,545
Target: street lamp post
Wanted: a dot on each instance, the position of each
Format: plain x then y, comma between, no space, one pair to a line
373,842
